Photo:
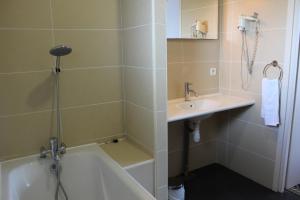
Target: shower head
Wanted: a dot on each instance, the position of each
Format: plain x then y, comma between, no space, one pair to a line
60,50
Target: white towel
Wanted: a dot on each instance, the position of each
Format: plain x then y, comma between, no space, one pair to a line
270,101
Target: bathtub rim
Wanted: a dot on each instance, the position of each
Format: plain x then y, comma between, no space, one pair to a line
136,187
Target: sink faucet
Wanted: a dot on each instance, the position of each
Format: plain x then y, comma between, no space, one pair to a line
188,91
55,150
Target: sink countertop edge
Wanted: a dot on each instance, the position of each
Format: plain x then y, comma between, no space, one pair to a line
246,102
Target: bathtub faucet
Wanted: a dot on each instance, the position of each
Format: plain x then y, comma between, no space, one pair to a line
55,150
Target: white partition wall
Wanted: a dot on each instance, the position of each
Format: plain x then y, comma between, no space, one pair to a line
145,82
293,172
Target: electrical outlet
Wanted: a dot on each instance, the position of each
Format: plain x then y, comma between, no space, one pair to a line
213,71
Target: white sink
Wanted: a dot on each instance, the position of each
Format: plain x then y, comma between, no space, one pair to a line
198,104
178,109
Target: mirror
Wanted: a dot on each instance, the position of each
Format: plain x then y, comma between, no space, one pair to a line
192,19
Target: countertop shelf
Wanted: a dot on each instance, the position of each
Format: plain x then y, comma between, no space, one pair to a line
221,102
126,153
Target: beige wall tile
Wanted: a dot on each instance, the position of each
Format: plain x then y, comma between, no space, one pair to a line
87,124
256,77
222,153
227,23
139,86
195,73
175,51
24,134
271,46
224,74
145,81
258,144
140,125
26,40
25,50
201,50
91,48
258,139
226,47
138,47
273,14
251,113
192,4
104,14
175,163
252,166
198,75
267,51
208,128
235,81
25,14
90,86
175,81
133,8
190,60
202,155
175,136
222,121
25,92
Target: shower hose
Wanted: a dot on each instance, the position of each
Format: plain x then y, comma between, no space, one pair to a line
59,185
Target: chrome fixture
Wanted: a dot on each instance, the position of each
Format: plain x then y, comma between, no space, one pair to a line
273,64
246,26
54,150
188,91
58,51
56,147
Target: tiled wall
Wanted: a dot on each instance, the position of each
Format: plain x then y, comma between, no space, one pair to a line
190,61
145,82
91,80
138,72
201,154
247,146
241,141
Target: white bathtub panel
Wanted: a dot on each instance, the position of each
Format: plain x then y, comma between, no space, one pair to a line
87,173
144,174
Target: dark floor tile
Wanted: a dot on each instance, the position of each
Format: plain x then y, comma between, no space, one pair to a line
216,182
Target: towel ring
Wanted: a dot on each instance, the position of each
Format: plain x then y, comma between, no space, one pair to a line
273,64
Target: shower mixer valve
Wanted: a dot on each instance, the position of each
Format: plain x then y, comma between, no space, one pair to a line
55,150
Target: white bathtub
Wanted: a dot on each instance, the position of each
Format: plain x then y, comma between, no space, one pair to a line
87,174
